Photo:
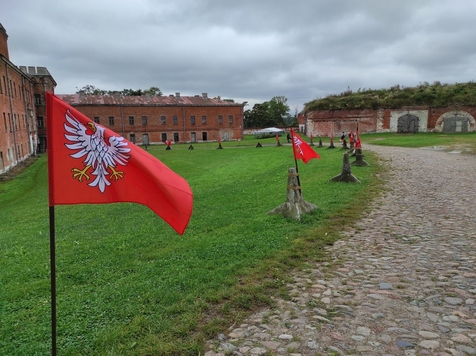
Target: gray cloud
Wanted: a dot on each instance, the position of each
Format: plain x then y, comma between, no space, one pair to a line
245,50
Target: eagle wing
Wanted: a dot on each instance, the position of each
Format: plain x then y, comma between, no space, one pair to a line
81,140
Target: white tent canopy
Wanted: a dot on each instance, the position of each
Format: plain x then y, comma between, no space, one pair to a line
268,132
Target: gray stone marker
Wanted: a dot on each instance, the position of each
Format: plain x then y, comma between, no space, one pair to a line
359,158
346,174
295,205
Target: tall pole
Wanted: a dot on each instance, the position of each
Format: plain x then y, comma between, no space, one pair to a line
298,179
53,280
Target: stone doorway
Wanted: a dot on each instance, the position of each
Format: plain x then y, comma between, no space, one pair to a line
455,124
408,124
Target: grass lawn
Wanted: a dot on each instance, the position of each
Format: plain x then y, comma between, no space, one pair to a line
127,284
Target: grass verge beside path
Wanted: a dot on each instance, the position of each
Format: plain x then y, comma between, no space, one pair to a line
127,284
463,142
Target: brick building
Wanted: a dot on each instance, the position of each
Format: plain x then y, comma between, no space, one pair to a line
323,123
21,88
151,119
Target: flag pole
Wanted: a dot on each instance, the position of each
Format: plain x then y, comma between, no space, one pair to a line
298,179
49,134
53,280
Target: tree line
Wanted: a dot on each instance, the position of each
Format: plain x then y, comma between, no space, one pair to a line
92,90
270,114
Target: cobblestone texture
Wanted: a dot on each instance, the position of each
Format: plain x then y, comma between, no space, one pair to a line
401,282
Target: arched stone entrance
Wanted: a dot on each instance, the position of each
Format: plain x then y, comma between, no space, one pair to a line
455,124
408,123
455,121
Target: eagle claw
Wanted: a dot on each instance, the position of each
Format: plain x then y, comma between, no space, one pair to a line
78,173
116,174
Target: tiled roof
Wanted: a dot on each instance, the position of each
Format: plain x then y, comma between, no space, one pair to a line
147,100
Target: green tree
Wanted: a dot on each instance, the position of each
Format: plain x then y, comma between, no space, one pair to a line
278,110
90,90
269,113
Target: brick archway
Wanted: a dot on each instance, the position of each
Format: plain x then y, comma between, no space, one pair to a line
452,118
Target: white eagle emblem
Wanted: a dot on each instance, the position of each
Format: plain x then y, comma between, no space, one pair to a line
100,156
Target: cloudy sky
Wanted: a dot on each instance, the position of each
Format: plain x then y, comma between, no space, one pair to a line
246,50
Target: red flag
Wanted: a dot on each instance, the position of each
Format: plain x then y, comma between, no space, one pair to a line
90,164
357,143
277,138
301,149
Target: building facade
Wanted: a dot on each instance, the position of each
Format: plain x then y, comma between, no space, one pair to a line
18,115
152,119
324,123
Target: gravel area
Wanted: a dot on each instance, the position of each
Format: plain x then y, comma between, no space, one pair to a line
401,282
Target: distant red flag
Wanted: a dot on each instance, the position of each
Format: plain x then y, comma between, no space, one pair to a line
357,143
301,149
90,164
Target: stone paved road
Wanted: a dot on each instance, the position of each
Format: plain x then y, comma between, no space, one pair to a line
401,282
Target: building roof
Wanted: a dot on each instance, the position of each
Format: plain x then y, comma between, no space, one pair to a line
144,100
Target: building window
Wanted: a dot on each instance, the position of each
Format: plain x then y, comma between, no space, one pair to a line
163,120
144,120
164,136
5,122
176,137
40,121
204,136
230,119
132,138
111,120
145,139
131,120
204,119
192,120
37,99
220,119
96,119
175,118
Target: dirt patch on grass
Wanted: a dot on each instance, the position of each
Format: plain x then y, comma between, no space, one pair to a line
18,169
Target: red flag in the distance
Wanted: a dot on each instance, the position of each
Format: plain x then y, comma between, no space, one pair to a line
357,143
301,149
90,164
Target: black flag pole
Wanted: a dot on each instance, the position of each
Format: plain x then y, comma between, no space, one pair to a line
53,280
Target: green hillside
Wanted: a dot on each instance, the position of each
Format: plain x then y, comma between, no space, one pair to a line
435,95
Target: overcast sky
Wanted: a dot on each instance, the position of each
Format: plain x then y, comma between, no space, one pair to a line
246,50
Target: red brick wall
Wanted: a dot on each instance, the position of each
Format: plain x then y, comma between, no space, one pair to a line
324,122
17,135
155,128
3,42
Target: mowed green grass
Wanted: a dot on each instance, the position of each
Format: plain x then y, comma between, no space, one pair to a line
464,142
127,284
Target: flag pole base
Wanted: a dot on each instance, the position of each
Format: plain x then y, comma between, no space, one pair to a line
295,206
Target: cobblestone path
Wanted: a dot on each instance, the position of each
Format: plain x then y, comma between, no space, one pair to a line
401,282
